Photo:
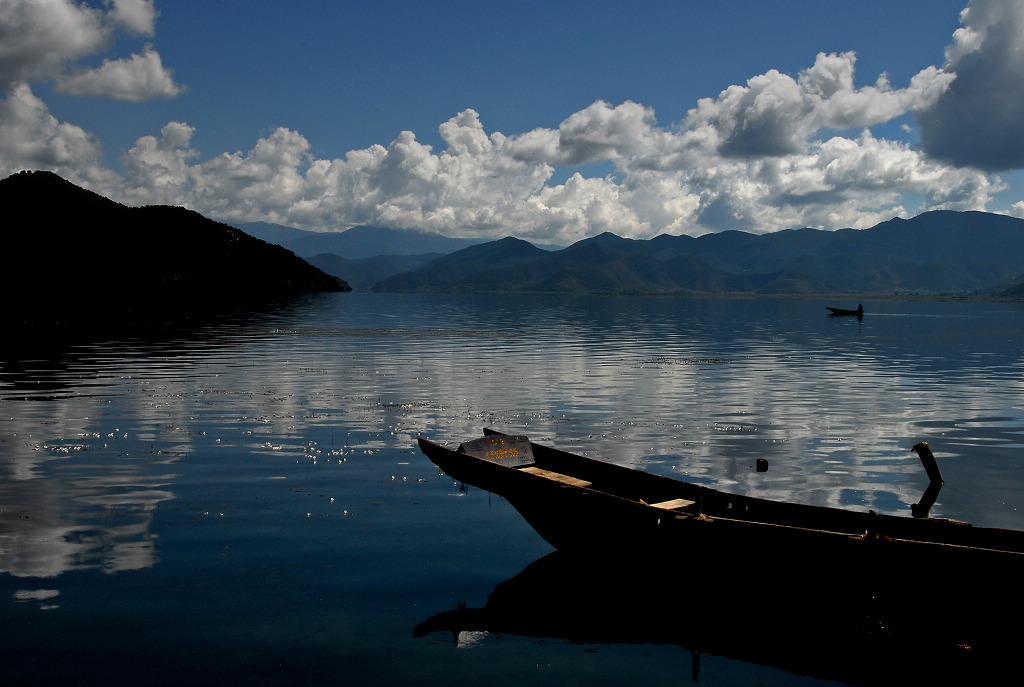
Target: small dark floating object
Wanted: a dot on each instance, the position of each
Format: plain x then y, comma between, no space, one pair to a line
762,465
841,312
582,504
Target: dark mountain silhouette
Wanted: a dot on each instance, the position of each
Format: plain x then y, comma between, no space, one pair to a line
943,252
67,248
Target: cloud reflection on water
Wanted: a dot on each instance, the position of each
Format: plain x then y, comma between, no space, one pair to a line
89,514
696,388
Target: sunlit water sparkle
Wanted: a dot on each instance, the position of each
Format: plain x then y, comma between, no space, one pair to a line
243,499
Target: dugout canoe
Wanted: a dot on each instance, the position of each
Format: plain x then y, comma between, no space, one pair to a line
859,312
585,505
859,596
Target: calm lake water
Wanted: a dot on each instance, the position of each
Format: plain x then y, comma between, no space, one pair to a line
243,502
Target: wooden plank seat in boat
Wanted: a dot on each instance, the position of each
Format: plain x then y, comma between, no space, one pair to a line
556,476
673,504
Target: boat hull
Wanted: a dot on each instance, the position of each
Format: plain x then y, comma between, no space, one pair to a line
844,312
617,511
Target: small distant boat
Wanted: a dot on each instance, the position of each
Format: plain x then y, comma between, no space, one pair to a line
859,312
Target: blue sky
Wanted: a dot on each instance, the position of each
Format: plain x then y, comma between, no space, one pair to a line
552,121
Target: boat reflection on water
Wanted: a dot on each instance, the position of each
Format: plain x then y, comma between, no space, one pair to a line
821,623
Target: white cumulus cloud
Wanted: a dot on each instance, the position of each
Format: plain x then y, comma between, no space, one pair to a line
42,40
979,120
156,169
136,78
775,152
32,138
136,16
775,114
37,37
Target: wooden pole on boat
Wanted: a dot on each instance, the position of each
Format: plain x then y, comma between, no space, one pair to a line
930,466
920,509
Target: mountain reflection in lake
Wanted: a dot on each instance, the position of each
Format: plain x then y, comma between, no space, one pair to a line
242,500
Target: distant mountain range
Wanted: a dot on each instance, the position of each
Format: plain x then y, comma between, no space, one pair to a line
365,273
363,255
67,249
943,252
356,243
936,253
